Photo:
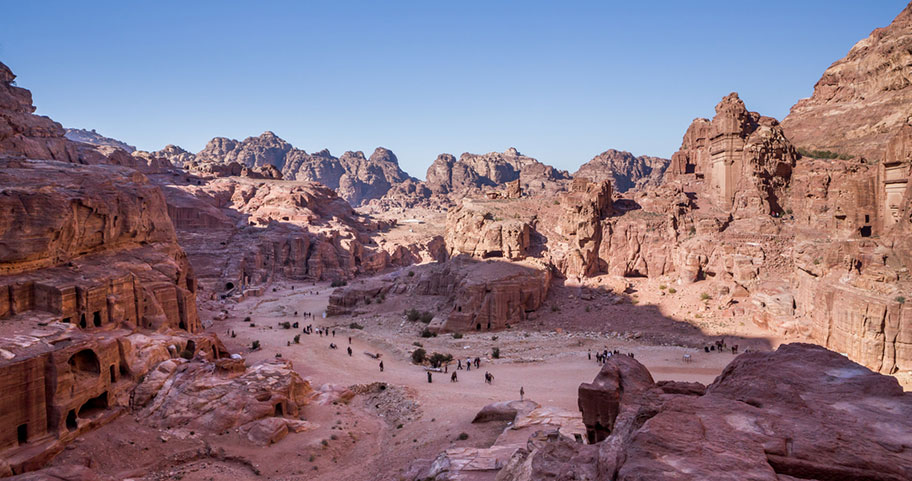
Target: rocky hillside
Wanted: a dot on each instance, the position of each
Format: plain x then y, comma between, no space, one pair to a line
805,422
94,138
624,170
861,99
355,177
476,172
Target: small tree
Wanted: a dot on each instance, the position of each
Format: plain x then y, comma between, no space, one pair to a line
437,359
495,353
427,333
412,314
297,339
255,346
426,317
419,355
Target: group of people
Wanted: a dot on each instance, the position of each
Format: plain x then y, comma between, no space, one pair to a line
306,314
719,346
602,357
321,331
468,363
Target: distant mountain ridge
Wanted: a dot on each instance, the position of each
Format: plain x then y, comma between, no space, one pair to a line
94,138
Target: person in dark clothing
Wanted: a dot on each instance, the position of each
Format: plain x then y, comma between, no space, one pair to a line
453,377
429,376
349,351
381,366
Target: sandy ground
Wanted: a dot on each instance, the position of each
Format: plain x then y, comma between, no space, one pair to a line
377,437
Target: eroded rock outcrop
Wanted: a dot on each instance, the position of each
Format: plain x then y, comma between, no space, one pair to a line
861,99
27,135
474,173
624,170
354,177
799,412
94,138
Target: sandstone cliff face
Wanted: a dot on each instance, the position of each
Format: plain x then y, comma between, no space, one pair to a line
861,99
176,155
624,170
745,159
241,232
473,173
27,135
788,414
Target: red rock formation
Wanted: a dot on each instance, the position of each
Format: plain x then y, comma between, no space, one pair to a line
861,99
355,178
472,172
800,412
94,138
27,135
624,170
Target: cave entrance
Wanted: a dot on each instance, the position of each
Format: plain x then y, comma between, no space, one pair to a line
279,410
478,326
82,321
94,406
189,351
113,374
22,433
182,325
67,320
96,318
490,254
85,362
229,286
71,421
865,231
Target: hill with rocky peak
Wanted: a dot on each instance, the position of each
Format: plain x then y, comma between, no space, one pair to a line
861,99
94,138
624,170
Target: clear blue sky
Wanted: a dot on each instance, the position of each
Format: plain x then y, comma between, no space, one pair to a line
561,81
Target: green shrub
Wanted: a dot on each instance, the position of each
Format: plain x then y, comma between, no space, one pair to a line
367,300
495,353
457,335
412,314
662,286
588,308
355,325
672,290
438,359
419,355
427,333
417,344
255,345
297,339
705,297
426,317
822,154
554,308
464,436
411,274
286,325
247,319
901,300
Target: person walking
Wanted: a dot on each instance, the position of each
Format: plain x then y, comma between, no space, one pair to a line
429,377
522,392
349,351
453,377
381,366
590,354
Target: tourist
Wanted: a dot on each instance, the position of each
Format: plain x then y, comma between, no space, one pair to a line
349,339
381,366
349,351
334,333
477,362
453,377
522,392
429,377
459,364
590,354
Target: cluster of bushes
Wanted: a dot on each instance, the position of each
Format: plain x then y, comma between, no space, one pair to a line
355,325
427,333
416,315
419,356
285,325
822,154
338,283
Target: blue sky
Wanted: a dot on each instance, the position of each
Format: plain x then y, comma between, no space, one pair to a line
560,81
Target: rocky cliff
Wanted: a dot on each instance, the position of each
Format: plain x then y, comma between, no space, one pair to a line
356,178
801,412
94,138
624,170
861,99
